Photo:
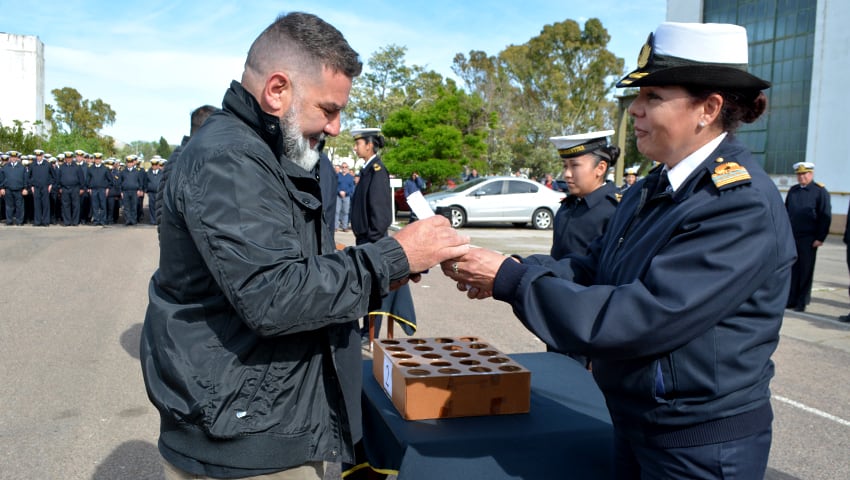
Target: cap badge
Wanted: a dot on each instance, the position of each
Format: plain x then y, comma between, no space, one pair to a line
645,52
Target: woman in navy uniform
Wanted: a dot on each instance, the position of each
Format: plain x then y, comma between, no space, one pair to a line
585,212
680,303
371,217
371,207
811,213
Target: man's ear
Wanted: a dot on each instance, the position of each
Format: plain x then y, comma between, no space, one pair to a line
277,93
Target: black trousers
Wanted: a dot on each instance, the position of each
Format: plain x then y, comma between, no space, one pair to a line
70,206
131,204
802,273
14,207
41,206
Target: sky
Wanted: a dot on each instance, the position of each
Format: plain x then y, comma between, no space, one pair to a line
156,61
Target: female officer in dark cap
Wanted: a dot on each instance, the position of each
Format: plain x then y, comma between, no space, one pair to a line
680,304
585,212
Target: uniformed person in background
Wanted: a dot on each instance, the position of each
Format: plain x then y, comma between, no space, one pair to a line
99,183
132,187
4,158
55,198
591,200
71,182
85,197
14,185
371,217
152,179
810,213
29,206
113,197
629,178
41,184
590,204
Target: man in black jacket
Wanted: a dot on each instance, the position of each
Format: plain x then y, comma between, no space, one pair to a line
132,187
250,347
71,183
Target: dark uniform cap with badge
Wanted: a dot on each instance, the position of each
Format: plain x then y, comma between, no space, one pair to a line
711,54
38,151
97,155
575,145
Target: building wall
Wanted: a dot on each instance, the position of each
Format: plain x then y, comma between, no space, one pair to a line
22,74
828,140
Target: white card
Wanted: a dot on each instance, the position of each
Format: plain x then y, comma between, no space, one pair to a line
419,206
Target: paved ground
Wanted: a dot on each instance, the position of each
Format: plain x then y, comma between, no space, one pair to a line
73,401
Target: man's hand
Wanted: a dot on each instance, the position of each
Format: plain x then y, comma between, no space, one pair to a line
431,241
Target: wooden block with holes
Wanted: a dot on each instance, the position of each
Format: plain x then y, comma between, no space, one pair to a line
450,377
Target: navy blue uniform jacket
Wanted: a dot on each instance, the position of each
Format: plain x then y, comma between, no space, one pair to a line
371,210
41,175
679,304
71,176
580,221
809,210
14,177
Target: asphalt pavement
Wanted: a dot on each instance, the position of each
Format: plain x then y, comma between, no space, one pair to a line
73,399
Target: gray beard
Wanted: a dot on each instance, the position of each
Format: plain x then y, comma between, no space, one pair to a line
295,146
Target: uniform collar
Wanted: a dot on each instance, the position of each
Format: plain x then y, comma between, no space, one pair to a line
678,174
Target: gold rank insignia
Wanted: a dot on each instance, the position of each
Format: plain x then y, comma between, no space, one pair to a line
618,196
729,174
376,167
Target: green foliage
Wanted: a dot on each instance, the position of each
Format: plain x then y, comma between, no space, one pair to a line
555,84
19,137
163,149
437,138
386,85
68,142
74,114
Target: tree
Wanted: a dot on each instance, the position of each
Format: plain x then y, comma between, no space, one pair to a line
74,114
386,85
20,137
555,84
163,149
438,137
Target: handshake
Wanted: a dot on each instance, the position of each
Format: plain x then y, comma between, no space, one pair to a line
433,241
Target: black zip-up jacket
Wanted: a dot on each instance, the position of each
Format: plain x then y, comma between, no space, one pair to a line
679,304
250,348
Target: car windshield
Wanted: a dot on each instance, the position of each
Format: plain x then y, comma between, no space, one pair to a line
467,185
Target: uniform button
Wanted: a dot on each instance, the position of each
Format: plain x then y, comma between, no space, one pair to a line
334,453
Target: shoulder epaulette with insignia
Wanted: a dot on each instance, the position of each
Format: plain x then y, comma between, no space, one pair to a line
729,174
376,167
820,185
618,196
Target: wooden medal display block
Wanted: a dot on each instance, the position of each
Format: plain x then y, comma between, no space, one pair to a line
445,377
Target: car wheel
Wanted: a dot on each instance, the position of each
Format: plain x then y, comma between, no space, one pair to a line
457,216
542,219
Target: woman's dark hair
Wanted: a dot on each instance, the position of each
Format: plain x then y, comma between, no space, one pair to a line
376,140
608,153
739,105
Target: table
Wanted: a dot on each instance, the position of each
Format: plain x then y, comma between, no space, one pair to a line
566,434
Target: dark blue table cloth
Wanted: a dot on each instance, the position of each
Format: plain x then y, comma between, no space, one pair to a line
566,434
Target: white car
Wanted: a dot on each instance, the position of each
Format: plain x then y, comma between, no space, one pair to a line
498,199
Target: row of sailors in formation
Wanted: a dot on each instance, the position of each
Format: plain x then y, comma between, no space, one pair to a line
67,186
81,157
